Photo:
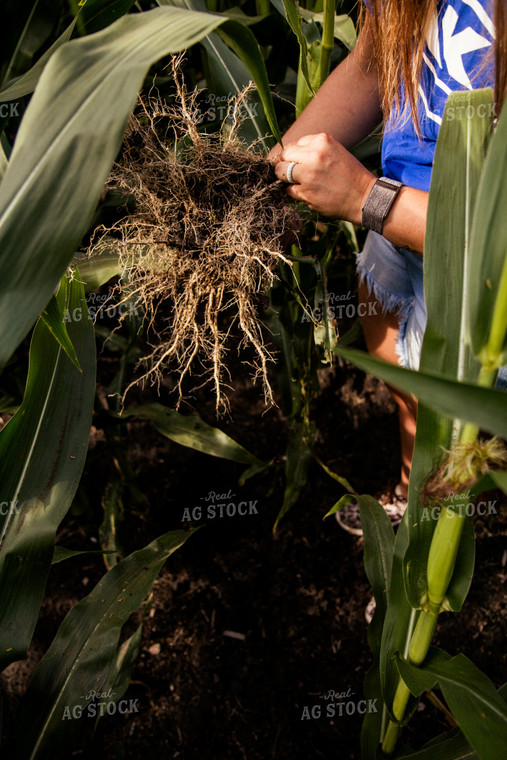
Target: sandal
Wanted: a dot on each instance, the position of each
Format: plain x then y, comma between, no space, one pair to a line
349,517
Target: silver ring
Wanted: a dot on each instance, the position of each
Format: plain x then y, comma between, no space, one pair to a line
290,169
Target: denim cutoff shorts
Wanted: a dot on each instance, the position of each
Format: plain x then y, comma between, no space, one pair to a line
395,276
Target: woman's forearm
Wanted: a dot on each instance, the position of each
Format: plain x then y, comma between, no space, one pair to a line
347,106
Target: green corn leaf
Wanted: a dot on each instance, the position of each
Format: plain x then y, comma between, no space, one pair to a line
84,651
26,83
120,672
241,40
55,175
60,553
296,466
192,432
343,502
484,407
450,746
42,454
488,246
227,74
97,14
55,322
324,333
459,159
112,504
480,711
399,623
3,156
344,29
494,479
378,559
375,721
98,270
292,14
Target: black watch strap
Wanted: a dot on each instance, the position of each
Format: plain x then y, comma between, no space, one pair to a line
379,202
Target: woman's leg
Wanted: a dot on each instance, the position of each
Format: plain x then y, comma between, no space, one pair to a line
381,333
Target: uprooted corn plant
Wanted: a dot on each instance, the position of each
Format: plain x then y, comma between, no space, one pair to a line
208,231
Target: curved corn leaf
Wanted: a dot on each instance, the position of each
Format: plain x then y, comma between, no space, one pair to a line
296,466
192,432
98,270
60,553
344,29
227,74
449,746
247,58
480,711
84,653
488,247
97,14
292,12
484,407
342,502
241,40
56,174
378,558
26,83
42,453
55,322
459,159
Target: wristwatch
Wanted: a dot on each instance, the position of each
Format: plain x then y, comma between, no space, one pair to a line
379,202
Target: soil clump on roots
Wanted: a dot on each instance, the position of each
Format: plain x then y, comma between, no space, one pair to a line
207,234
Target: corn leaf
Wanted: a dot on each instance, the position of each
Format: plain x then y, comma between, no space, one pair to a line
344,29
292,14
488,246
192,432
484,407
60,553
472,698
56,174
226,74
84,652
55,322
42,453
378,558
242,42
97,14
246,49
449,746
26,83
459,159
98,270
296,466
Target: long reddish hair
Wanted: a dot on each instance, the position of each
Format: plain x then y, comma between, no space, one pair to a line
399,29
500,52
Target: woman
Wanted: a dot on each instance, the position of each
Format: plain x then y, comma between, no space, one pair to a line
408,57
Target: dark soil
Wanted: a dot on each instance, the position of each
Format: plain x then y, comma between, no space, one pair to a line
246,630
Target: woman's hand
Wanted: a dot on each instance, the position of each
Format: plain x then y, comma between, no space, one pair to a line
327,177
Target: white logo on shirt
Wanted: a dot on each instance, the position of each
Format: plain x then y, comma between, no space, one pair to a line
455,46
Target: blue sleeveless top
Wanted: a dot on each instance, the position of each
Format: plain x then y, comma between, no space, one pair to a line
455,58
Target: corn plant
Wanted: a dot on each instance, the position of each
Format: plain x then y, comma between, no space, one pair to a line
427,569
82,90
